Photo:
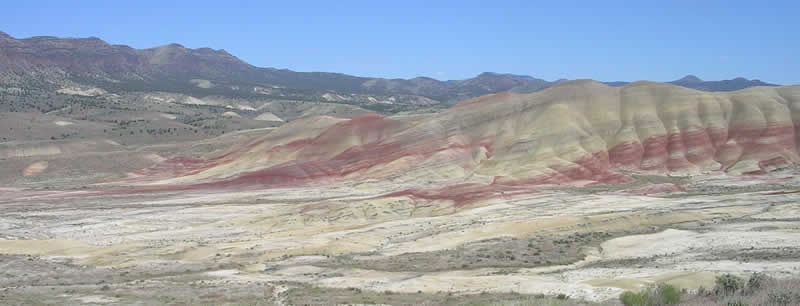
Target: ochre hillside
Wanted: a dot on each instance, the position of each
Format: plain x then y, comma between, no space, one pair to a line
577,132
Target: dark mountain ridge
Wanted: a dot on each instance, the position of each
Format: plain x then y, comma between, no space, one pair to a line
51,61
693,82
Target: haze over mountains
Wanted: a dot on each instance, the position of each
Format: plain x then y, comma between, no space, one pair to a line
50,62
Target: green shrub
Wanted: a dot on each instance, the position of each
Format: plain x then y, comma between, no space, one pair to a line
755,282
781,298
736,303
661,294
562,296
634,299
668,294
728,284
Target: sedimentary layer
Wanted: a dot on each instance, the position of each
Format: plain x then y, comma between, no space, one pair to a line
579,132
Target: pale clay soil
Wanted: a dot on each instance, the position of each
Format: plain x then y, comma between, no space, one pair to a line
273,236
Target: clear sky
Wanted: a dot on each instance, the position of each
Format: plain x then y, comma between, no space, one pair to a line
603,40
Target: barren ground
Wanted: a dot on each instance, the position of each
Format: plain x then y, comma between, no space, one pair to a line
293,246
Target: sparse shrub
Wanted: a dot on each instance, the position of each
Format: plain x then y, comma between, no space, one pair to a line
661,294
562,296
736,303
781,298
668,294
728,284
755,282
633,299
702,291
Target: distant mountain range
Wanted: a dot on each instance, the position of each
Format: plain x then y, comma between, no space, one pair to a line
691,81
50,62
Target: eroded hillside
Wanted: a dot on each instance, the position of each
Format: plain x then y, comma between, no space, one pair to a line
579,132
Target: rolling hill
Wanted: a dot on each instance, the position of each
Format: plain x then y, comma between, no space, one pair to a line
578,132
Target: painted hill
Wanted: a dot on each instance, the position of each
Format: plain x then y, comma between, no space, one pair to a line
578,132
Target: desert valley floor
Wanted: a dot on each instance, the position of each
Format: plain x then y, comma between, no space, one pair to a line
588,242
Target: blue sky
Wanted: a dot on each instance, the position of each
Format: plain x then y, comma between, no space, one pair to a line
603,40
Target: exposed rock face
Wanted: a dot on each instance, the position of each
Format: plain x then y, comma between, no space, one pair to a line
578,132
11,150
35,168
267,116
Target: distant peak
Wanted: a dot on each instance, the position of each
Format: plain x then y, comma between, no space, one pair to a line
5,38
206,50
174,45
690,79
423,78
507,75
94,41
